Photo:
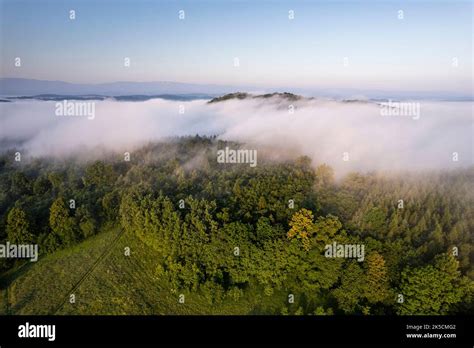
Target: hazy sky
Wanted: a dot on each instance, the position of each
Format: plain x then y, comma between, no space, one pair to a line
383,51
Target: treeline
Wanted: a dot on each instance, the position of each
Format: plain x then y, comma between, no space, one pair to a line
226,230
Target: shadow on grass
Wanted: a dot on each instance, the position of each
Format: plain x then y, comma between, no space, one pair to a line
9,276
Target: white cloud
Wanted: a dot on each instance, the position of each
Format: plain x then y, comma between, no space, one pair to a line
321,129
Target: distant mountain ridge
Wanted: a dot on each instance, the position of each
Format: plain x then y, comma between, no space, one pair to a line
15,87
137,98
25,87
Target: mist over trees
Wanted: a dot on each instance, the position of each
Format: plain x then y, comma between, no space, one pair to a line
224,229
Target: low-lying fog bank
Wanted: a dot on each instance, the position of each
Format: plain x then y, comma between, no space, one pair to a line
355,135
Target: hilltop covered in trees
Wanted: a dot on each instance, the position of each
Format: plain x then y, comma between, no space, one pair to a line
226,229
242,95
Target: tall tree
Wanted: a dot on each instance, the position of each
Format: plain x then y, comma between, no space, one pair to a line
377,285
61,223
302,227
18,227
351,290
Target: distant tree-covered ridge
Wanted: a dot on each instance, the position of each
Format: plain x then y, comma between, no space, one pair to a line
228,229
244,95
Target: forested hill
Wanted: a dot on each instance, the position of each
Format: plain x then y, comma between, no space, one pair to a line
229,230
243,95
